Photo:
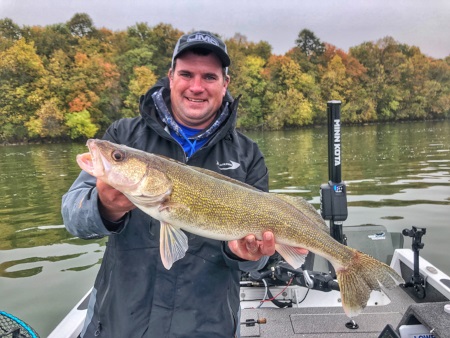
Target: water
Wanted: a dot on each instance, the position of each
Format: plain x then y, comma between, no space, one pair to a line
398,176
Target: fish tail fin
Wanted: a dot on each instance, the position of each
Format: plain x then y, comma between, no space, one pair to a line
360,277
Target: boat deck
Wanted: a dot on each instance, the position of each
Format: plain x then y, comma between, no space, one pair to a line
327,322
309,319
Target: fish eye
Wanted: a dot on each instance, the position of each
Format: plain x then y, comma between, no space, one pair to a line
118,155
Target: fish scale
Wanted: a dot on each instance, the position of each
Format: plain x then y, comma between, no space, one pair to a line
211,205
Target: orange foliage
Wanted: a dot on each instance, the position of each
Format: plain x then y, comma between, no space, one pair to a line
79,103
80,58
353,67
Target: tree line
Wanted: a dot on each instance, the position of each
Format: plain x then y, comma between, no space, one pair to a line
71,80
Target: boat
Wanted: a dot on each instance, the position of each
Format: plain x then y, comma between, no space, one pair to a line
306,303
281,302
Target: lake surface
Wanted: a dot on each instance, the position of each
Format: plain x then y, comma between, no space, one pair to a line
397,175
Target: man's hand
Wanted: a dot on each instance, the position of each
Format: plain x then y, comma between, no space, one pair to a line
249,248
112,203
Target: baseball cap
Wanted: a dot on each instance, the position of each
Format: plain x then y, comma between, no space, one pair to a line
202,39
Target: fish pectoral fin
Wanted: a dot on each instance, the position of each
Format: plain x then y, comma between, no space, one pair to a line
146,200
290,255
173,244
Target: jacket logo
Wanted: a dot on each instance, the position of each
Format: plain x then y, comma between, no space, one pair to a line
228,165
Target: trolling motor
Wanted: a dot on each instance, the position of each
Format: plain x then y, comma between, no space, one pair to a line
416,281
333,195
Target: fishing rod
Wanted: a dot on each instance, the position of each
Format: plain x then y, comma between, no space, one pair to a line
333,195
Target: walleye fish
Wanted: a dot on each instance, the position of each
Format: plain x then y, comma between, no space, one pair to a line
211,205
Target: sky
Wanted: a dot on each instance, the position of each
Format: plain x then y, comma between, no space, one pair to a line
342,23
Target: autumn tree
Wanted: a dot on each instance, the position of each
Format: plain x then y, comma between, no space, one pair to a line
48,122
288,106
133,58
9,33
252,86
342,78
248,62
380,84
143,78
21,73
49,39
438,88
162,39
93,80
310,45
399,81
80,125
81,25
72,80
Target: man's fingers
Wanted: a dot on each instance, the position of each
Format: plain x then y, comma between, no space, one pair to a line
113,204
252,249
251,244
268,244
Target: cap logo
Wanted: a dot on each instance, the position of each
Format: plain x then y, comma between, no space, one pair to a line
202,37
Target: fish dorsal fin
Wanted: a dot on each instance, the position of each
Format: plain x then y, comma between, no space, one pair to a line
173,244
290,255
307,209
223,178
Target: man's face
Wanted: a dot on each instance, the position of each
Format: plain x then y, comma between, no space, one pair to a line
197,87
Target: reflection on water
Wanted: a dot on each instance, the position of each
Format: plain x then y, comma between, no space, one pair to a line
397,176
44,271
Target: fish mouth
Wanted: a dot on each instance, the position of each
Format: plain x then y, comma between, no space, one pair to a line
93,162
85,162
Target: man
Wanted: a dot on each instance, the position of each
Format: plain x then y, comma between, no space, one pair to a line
189,116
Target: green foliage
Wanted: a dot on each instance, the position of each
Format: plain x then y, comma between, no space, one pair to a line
21,75
252,87
80,125
75,79
290,94
289,109
81,25
399,81
49,39
143,78
164,37
309,44
9,30
48,122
